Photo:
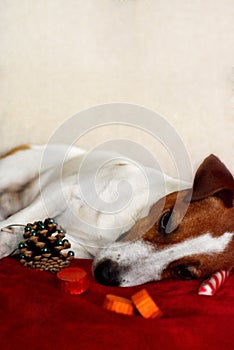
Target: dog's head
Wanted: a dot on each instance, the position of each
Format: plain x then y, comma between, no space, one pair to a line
190,237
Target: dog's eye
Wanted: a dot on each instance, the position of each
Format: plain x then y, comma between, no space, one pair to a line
185,272
164,221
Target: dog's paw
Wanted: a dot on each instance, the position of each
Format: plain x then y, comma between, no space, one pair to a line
9,240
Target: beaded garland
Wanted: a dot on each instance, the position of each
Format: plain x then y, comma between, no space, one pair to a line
43,245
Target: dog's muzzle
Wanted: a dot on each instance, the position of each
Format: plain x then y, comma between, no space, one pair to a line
107,272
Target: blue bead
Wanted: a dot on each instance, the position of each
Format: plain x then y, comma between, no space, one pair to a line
40,225
34,233
61,231
21,245
59,242
71,253
27,228
45,250
22,256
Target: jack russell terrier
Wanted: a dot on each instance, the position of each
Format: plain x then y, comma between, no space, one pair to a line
160,233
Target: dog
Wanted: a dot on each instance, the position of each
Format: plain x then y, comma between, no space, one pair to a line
160,233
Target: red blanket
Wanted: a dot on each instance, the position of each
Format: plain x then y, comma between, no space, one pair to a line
36,314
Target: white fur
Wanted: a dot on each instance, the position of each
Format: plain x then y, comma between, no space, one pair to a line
94,198
141,262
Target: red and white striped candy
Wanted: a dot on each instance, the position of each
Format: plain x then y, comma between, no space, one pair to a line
212,284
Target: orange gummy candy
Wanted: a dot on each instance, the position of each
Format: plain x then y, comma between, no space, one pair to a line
118,304
73,280
145,304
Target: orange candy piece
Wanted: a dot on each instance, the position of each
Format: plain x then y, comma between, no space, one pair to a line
73,280
145,304
118,304
142,301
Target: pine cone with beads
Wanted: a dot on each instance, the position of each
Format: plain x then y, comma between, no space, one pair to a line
43,246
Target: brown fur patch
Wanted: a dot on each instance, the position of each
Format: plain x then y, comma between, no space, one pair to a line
15,150
209,215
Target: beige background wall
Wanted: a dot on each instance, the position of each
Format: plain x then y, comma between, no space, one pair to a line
62,56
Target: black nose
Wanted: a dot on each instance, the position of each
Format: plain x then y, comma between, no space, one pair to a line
107,273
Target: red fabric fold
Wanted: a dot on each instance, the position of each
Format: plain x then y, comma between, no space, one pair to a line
37,314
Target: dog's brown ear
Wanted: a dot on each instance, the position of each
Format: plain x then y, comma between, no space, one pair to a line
213,178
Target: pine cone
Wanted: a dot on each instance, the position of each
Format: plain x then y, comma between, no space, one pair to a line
43,245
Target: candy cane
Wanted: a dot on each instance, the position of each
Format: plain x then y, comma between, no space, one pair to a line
212,284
